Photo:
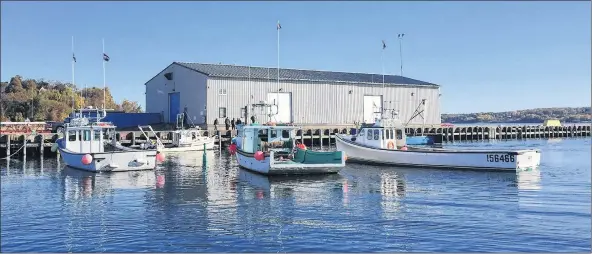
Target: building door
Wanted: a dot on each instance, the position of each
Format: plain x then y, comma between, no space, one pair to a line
372,107
174,106
284,109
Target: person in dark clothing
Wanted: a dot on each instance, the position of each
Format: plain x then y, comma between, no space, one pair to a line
232,124
216,124
253,119
227,123
238,121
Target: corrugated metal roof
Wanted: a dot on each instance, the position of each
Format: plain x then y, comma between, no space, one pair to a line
235,71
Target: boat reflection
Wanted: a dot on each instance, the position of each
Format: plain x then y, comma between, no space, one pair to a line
304,189
529,180
81,184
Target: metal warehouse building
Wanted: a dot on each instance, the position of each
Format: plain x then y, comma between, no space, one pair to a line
210,91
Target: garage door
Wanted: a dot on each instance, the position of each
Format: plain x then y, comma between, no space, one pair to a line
372,107
284,106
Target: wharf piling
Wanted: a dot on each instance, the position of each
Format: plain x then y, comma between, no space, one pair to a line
19,144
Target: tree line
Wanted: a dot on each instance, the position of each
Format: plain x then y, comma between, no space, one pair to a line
41,100
537,115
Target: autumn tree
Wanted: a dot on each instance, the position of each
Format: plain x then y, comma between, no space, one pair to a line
41,100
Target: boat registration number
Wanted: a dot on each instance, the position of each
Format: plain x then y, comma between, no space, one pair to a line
501,158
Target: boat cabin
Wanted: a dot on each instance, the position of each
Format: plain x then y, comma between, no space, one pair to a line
385,134
84,137
266,138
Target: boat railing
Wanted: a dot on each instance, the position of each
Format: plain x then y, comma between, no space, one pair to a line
158,141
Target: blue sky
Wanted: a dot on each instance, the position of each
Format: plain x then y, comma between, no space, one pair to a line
487,56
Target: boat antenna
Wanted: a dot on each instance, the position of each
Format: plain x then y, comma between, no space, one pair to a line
277,99
105,60
73,83
383,90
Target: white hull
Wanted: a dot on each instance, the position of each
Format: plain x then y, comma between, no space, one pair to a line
440,158
271,167
198,146
111,161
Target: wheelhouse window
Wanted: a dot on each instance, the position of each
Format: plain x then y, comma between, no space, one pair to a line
376,134
97,135
399,134
285,134
222,112
72,135
86,135
382,134
369,134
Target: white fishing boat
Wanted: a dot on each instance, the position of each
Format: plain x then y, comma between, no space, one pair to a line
271,149
91,146
384,142
189,139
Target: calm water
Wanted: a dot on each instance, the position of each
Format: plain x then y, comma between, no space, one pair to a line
185,207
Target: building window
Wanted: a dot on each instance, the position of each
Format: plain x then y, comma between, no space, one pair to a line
222,112
222,91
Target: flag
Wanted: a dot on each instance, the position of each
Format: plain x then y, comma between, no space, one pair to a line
279,26
73,57
383,44
105,57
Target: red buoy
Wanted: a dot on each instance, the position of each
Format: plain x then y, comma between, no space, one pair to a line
87,159
232,148
159,156
259,156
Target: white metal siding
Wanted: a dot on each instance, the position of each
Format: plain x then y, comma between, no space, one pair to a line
190,84
320,103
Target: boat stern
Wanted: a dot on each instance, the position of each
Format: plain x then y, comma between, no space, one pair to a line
309,162
528,159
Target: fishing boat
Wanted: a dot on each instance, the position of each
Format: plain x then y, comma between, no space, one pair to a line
271,149
90,144
184,139
384,142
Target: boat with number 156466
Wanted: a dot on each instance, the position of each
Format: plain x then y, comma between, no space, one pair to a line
385,143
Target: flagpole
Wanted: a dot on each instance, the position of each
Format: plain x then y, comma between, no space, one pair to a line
104,76
277,99
401,51
73,83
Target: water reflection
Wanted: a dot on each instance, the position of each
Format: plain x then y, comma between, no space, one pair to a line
82,184
529,180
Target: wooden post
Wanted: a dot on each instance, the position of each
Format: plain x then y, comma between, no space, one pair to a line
41,147
24,147
321,132
8,138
